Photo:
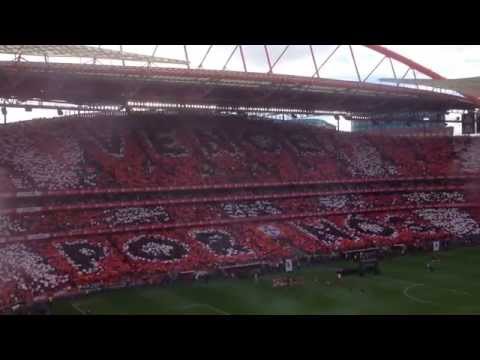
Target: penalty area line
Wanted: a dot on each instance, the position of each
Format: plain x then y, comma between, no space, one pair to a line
78,308
217,310
461,292
414,298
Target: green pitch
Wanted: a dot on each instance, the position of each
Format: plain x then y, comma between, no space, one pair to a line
404,287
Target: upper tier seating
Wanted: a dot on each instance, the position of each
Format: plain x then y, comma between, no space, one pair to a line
185,150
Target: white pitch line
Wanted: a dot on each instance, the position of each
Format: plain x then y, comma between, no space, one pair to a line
397,279
415,284
405,292
216,309
76,307
206,305
458,291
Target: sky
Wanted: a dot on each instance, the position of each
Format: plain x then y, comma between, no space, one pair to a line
451,61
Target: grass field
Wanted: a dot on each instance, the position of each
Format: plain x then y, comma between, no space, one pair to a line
404,287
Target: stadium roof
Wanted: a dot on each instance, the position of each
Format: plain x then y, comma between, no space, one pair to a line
59,75
104,84
470,86
82,51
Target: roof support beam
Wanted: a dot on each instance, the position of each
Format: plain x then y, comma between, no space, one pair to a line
18,56
243,59
230,57
94,57
415,77
149,63
375,68
411,64
186,56
393,69
355,63
406,72
121,52
268,59
403,77
313,58
317,72
278,59
154,51
205,56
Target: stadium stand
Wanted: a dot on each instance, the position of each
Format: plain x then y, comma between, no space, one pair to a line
95,201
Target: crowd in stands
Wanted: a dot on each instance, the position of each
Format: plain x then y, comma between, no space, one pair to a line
130,215
441,197
467,154
110,152
451,220
9,225
56,245
117,215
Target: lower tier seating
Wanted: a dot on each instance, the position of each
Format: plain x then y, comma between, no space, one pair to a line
40,269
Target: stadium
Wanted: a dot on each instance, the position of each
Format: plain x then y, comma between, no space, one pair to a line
162,186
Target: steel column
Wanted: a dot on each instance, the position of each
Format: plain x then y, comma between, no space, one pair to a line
355,63
326,60
243,59
403,77
154,51
230,57
205,56
406,72
18,56
375,68
121,51
313,58
268,59
95,58
186,56
415,77
278,59
393,69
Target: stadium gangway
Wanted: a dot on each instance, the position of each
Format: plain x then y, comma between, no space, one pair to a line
257,263
214,199
362,250
63,193
269,218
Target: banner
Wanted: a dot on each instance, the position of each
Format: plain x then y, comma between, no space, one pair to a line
288,265
477,120
468,124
